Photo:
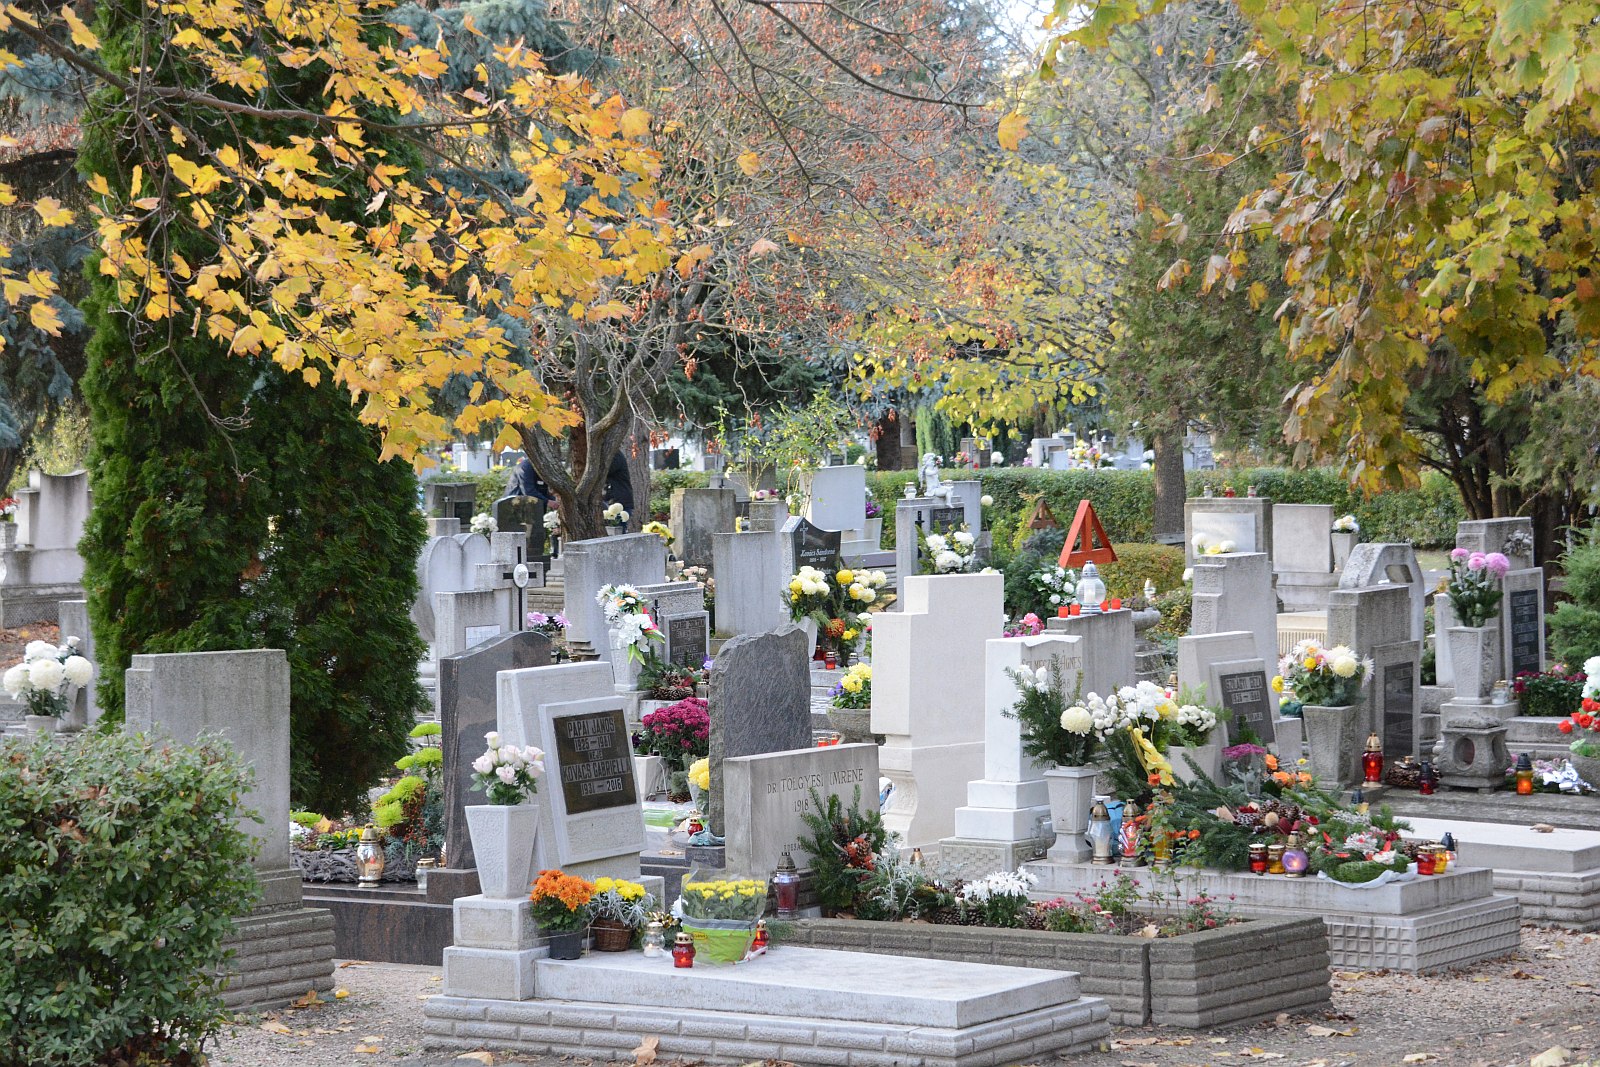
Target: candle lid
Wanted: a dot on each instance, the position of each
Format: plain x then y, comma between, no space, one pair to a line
786,863
684,938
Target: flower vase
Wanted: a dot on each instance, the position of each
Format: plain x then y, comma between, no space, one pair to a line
503,837
810,627
1474,660
1343,545
1334,743
1071,794
1588,768
613,531
566,944
625,669
1208,757
873,531
41,724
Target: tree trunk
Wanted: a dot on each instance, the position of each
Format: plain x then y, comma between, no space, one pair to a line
886,439
637,449
1170,491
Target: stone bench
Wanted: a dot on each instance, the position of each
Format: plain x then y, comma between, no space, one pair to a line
801,1005
1428,924
1555,876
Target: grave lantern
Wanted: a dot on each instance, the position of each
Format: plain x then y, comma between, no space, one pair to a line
369,858
786,887
1295,860
1372,760
1100,834
1091,590
1524,775
1427,779
683,950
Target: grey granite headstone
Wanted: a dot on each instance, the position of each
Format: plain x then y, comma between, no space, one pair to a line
467,710
760,702
631,559
696,515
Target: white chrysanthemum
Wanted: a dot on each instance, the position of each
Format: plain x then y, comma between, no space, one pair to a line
40,650
986,500
879,578
1344,666
78,670
1077,721
1227,546
937,543
947,561
16,681
963,538
1198,542
46,674
868,596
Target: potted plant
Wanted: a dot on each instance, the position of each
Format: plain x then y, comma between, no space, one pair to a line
562,907
1346,532
632,630
851,705
43,680
1475,597
616,519
1327,682
504,829
619,908
678,733
721,914
1063,739
1583,726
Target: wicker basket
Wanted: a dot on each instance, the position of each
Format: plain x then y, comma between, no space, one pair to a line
611,936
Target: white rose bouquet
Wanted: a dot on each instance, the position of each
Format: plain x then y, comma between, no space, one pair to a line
506,773
46,675
615,515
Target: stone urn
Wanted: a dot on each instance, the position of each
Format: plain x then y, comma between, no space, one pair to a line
1334,743
1071,794
1343,545
1475,660
873,531
502,846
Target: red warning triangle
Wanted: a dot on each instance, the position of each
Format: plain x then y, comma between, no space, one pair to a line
1086,540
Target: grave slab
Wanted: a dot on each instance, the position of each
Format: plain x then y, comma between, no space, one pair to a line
805,1006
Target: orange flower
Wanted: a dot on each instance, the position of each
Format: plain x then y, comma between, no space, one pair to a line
1154,779
572,892
1194,835
1272,762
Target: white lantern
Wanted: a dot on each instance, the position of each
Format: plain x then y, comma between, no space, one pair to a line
1091,590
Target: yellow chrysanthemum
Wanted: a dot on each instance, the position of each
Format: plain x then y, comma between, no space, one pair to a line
846,576
1277,683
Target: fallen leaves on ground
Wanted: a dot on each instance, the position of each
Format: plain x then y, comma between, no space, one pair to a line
480,1057
1328,1031
310,1000
273,1026
645,1054
1554,1056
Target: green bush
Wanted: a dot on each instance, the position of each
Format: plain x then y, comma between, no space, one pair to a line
662,483
123,871
1161,564
1575,624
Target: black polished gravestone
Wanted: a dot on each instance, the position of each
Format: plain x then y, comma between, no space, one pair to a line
594,760
468,688
811,545
688,639
946,520
1399,708
1242,691
524,515
1522,609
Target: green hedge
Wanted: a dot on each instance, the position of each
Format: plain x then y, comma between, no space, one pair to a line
123,870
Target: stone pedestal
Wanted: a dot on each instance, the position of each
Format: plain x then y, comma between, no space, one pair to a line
1472,754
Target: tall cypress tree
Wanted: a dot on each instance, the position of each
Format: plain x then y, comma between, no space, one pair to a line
236,506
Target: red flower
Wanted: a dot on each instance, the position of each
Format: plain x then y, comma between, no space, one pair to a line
1566,726
1590,704
1584,721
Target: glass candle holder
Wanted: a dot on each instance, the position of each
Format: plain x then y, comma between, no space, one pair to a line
1427,781
1425,862
1295,860
1275,859
1372,761
1258,859
786,887
683,951
655,940
1441,860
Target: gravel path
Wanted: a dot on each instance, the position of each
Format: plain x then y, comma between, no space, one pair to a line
1498,1014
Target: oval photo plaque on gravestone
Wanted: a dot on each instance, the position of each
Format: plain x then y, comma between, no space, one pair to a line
595,761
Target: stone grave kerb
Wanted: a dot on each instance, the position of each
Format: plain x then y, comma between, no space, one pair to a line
1377,563
759,701
628,559
468,709
601,841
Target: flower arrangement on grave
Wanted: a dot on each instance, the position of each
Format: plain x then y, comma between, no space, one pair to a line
615,515
678,733
552,520
837,603
1551,692
854,690
1206,545
1053,586
955,553
874,509
1029,625
660,680
1053,730
842,844
1583,725
626,614
1472,585
561,901
46,675
8,509
700,773
552,626
484,523
1346,524
619,908
999,900
661,530
707,583
737,899
1329,677
505,773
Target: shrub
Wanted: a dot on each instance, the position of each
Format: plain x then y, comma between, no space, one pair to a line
123,872
1161,564
1548,693
1575,624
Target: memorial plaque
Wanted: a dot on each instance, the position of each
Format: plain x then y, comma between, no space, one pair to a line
1242,690
1523,611
688,639
595,761
1399,708
812,546
945,520
768,797
477,635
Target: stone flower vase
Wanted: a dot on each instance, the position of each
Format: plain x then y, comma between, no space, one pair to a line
1588,768
873,531
809,625
1334,743
1343,545
1071,793
503,836
625,669
1475,660
1207,756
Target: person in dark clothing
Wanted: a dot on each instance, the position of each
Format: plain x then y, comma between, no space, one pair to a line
525,481
619,485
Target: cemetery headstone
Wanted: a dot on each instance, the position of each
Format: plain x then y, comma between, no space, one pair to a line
41,566
74,616
1234,592
696,516
590,820
1106,645
1246,521
1399,687
760,701
838,498
244,696
928,701
751,578
810,545
468,696
1376,563
768,795
631,559
1375,623
1525,621
910,515
688,639
458,500
1302,557
524,515
1240,687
